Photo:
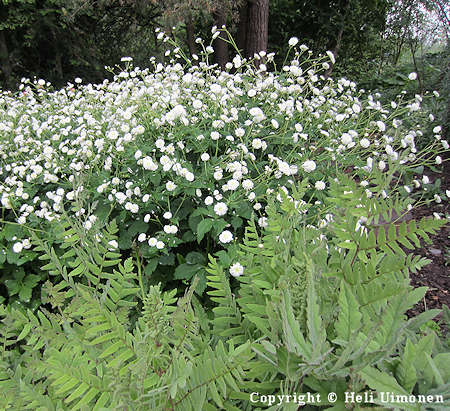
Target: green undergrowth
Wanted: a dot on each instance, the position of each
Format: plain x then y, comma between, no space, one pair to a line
294,309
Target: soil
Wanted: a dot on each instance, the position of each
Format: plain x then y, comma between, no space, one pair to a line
436,275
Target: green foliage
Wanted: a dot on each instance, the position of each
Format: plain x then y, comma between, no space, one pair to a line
109,341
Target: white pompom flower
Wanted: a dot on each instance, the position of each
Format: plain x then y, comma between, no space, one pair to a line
236,270
225,237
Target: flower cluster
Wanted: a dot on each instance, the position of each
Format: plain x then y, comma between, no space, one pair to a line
167,148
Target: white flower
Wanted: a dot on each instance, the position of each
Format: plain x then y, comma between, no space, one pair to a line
17,247
412,76
149,164
356,108
225,237
437,129
236,270
381,126
159,143
346,139
381,165
220,209
170,186
257,143
331,56
365,142
232,184
293,41
309,166
257,114
437,198
275,124
247,185
240,132
146,218
152,241
160,245
320,185
177,112
205,157
114,244
218,174
425,180
438,160
167,215
142,237
262,222
197,104
209,200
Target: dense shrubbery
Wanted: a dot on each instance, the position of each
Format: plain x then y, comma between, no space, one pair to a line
119,197
312,310
184,157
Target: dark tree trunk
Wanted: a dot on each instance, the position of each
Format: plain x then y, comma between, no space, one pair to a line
220,45
241,37
398,51
190,35
5,63
257,27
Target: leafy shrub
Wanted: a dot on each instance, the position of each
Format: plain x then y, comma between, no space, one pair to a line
184,157
311,309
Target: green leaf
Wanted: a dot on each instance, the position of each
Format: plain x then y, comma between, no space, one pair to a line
137,227
88,397
382,382
186,271
316,330
349,318
25,293
203,227
236,222
24,332
194,257
111,349
77,393
406,371
151,266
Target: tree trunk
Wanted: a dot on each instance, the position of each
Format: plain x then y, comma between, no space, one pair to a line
257,27
398,51
190,35
220,45
241,37
413,48
5,63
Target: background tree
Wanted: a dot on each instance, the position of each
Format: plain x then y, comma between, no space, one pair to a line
62,39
